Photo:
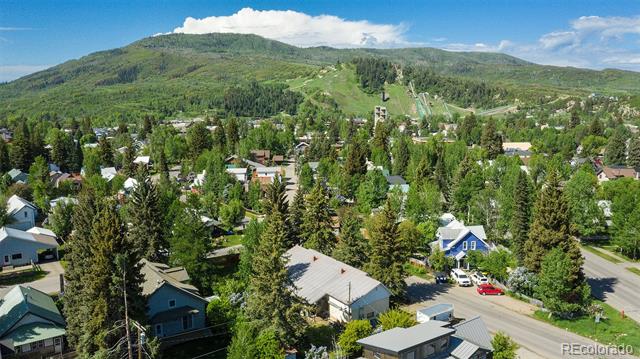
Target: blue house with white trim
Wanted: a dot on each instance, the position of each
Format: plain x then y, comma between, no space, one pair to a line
456,240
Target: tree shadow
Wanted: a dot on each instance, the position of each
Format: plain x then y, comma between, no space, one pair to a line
601,286
420,291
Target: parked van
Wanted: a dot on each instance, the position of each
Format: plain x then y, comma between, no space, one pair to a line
461,277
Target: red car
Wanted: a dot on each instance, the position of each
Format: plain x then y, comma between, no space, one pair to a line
489,289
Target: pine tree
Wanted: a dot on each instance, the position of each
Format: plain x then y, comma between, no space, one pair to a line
198,139
276,197
106,152
233,134
467,182
20,153
616,151
574,121
633,160
596,128
561,284
161,165
78,263
468,131
128,167
491,140
521,219
387,254
441,177
352,248
190,244
105,287
400,156
272,300
316,222
5,163
551,226
357,153
146,218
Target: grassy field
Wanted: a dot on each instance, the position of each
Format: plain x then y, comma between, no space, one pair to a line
342,85
601,254
25,276
612,328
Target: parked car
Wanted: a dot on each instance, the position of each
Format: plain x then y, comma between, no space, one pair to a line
441,277
478,278
488,289
461,277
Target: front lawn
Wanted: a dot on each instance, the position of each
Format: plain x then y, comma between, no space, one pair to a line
26,276
417,271
231,240
612,329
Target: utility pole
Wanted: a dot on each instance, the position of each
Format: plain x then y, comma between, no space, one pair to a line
139,343
126,309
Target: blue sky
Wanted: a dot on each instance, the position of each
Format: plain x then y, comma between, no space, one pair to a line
593,34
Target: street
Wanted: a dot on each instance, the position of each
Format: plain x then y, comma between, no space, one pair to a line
614,284
292,179
503,313
49,284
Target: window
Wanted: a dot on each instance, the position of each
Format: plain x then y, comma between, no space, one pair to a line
187,322
464,246
158,330
473,245
6,259
16,256
25,214
172,303
370,315
56,341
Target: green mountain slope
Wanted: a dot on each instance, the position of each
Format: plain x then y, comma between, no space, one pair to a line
189,73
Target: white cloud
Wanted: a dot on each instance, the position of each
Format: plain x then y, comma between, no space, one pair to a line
300,29
12,72
590,41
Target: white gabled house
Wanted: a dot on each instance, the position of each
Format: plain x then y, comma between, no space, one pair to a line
339,291
240,174
456,239
22,212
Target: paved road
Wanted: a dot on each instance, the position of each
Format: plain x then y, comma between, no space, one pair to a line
538,339
48,284
292,179
614,284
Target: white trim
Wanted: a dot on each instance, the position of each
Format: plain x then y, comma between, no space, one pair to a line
465,245
473,245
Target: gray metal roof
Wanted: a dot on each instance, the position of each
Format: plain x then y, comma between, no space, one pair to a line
316,275
474,330
462,349
398,339
436,309
157,274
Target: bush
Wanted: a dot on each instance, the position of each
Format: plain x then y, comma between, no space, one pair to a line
354,331
396,318
522,281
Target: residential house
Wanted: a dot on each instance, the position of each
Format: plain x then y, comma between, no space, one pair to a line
456,240
397,182
300,148
30,324
22,212
522,149
130,184
108,173
142,160
277,159
433,339
339,291
173,306
66,200
610,173
441,311
17,176
261,156
22,247
266,174
240,174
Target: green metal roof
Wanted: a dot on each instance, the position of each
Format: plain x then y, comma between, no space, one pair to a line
23,300
34,332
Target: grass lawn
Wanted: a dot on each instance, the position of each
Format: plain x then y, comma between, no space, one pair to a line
231,240
602,254
25,276
417,271
634,270
613,329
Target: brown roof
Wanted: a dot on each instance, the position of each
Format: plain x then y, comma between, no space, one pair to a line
617,172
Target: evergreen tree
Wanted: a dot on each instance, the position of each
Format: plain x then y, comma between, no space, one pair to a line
587,218
233,133
616,151
76,156
106,152
352,248
20,152
5,163
250,241
467,182
387,255
563,290
128,167
146,217
357,153
272,300
317,230
59,149
491,140
441,178
161,165
400,156
551,227
469,130
633,159
276,197
574,121
189,245
198,139
105,289
521,219
596,128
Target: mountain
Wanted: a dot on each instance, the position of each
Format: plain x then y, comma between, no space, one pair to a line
180,72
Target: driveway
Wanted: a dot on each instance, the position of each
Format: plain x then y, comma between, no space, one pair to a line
614,284
48,284
537,339
292,179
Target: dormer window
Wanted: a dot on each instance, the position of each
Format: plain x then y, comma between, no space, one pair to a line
172,303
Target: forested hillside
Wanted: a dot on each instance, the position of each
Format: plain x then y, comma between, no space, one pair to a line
170,74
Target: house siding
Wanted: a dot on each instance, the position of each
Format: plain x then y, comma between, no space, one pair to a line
24,219
468,239
159,302
12,246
